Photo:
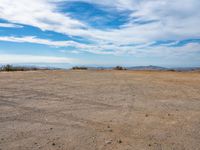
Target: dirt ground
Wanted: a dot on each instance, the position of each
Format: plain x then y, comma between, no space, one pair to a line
99,110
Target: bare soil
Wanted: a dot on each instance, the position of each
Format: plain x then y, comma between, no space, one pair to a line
99,110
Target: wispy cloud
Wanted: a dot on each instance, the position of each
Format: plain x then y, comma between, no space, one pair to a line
13,59
97,49
33,39
10,25
41,14
138,49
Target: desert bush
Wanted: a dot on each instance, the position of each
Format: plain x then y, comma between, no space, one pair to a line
9,68
119,68
172,70
79,68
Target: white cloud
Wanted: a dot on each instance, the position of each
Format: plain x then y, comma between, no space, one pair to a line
169,52
10,25
32,39
175,20
38,13
98,49
13,59
137,50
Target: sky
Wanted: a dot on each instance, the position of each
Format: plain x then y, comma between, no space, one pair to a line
100,32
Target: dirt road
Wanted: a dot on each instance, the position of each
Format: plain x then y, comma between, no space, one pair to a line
99,110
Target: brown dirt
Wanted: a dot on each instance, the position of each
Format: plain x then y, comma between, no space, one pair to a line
99,110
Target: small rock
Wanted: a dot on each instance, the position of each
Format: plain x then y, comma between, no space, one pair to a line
51,128
146,115
119,141
168,114
149,145
110,130
53,144
108,126
108,142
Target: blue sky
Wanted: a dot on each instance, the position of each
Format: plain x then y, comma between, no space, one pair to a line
100,33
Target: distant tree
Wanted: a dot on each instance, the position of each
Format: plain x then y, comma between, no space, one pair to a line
172,70
119,68
19,68
7,68
79,68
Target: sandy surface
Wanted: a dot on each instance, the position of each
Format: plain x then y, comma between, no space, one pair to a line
99,110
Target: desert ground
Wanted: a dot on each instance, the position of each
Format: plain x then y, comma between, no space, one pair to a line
99,110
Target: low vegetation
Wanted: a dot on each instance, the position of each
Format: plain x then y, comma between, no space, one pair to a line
10,68
119,68
79,68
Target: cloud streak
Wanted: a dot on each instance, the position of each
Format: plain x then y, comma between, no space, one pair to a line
14,59
10,25
137,50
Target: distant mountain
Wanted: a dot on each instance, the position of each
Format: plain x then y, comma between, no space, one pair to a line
147,68
151,67
68,66
187,69
130,68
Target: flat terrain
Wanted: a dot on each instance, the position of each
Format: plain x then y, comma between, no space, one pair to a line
99,110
